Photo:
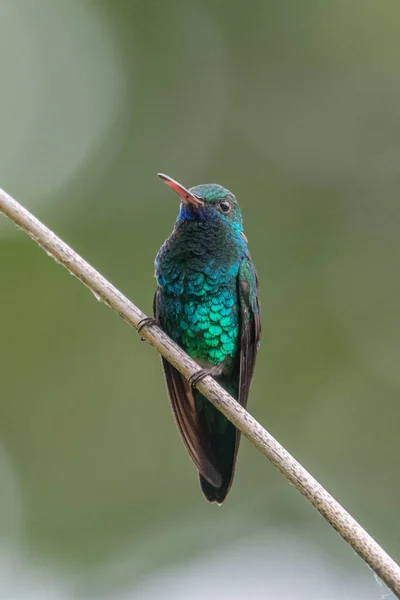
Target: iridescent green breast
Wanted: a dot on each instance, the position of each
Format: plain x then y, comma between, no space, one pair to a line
197,270
205,325
208,327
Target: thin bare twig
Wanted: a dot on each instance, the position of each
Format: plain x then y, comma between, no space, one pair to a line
368,549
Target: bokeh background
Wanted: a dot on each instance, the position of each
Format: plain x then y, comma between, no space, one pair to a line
295,107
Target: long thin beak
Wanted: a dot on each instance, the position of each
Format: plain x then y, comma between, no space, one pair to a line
182,192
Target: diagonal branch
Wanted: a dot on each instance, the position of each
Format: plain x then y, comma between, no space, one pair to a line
367,548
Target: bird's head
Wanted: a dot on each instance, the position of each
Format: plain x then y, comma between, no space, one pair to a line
209,201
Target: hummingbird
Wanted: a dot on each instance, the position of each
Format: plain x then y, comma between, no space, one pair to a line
207,301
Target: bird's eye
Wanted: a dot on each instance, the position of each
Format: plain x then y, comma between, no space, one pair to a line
225,206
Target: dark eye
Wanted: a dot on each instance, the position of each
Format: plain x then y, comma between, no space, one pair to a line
225,206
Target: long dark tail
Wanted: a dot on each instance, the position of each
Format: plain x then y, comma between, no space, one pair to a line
210,439
224,441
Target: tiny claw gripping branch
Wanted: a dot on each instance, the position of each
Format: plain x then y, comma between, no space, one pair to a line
146,322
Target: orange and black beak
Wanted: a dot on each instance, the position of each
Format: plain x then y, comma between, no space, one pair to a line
184,194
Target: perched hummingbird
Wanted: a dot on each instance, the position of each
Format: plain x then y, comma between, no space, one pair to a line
207,302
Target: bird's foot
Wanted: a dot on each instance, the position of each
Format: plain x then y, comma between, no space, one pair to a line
199,375
145,323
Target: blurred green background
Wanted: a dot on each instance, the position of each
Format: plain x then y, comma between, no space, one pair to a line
294,106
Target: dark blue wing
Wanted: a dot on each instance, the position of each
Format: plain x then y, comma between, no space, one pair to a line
250,325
